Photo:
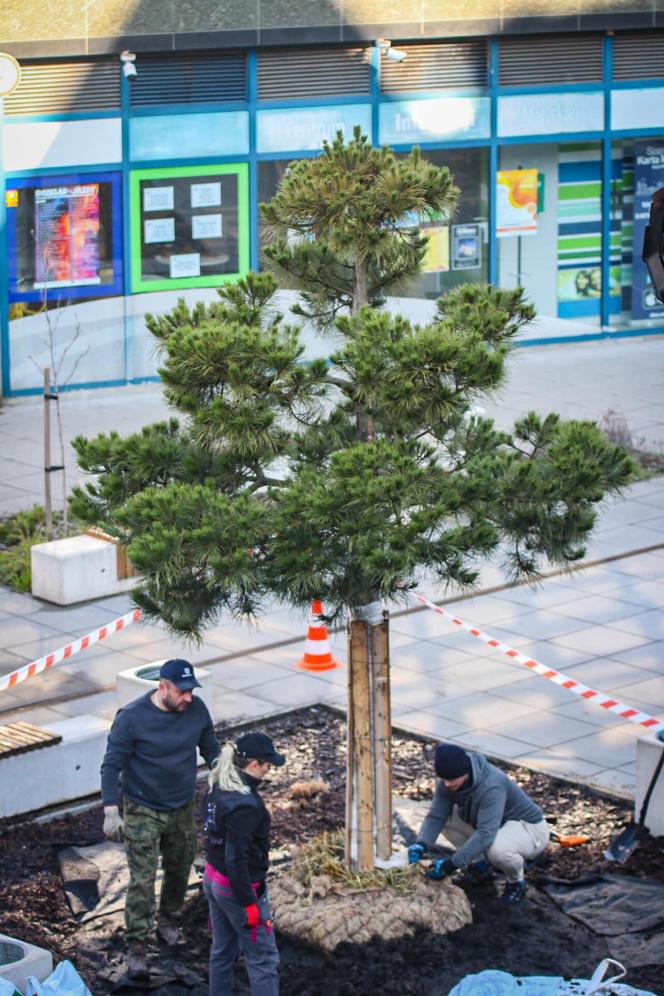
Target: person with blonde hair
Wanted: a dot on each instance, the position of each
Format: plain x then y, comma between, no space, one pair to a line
237,824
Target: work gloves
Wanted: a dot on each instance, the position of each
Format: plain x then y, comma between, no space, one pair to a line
415,853
441,868
113,824
253,915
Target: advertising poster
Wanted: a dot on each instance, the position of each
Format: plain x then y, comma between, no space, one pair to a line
437,259
648,177
516,202
66,234
582,283
466,247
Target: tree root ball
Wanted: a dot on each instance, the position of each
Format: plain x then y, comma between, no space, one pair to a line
326,915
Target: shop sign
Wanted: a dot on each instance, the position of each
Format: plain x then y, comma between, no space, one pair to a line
639,108
304,129
187,136
648,177
516,202
550,114
407,122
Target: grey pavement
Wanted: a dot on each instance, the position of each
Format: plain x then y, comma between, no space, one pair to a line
602,625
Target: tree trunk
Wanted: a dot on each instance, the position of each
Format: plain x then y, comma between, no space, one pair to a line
369,765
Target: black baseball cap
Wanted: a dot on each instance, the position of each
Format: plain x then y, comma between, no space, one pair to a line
180,673
259,745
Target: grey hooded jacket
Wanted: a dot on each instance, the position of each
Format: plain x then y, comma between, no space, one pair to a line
490,801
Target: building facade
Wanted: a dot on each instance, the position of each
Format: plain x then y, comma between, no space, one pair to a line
131,182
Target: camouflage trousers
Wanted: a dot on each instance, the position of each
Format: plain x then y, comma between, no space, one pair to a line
149,832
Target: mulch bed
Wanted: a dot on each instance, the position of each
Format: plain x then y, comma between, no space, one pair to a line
534,938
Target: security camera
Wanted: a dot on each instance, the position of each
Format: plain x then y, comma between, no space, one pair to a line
128,60
395,54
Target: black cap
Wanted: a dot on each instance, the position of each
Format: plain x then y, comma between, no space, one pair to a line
180,673
451,762
259,745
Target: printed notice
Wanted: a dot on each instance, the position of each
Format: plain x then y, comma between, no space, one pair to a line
206,226
466,247
185,265
159,230
205,195
158,198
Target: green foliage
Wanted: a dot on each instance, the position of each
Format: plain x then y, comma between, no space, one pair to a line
341,480
18,534
338,222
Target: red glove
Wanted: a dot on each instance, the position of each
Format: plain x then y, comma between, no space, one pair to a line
253,915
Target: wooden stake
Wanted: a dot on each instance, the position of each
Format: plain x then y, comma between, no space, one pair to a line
382,733
359,647
350,754
48,503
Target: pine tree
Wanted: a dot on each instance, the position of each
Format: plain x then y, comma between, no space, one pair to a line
343,480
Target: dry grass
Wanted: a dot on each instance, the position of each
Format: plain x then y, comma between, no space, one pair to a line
323,857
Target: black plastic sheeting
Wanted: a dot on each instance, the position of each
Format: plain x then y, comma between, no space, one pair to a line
628,912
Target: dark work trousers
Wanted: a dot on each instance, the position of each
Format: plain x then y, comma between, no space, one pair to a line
149,832
230,935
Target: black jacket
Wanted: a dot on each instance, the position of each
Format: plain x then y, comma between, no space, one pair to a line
238,829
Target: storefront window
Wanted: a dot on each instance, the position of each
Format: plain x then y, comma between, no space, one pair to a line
270,174
549,229
637,170
189,226
458,246
64,237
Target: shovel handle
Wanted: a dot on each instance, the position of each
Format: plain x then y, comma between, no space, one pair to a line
651,786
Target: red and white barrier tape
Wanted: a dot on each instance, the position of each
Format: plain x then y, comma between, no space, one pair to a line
571,684
64,653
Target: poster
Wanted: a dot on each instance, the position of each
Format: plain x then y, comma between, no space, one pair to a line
159,230
466,247
158,198
648,177
206,226
205,195
582,283
437,259
185,265
516,202
67,236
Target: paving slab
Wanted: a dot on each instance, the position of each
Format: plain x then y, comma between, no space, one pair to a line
543,729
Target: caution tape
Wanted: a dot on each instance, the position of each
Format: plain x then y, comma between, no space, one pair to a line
64,653
557,677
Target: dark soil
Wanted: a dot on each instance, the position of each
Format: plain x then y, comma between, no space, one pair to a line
534,938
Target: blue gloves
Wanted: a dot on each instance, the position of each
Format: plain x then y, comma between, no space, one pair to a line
415,853
441,868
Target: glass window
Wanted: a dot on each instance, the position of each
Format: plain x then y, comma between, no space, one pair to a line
189,226
637,170
64,237
549,228
458,247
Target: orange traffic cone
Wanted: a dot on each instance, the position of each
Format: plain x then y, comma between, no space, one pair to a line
317,653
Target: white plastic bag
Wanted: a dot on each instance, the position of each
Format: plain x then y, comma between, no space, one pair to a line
8,988
63,981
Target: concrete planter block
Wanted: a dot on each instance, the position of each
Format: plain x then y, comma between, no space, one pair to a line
56,773
19,960
76,569
648,752
136,681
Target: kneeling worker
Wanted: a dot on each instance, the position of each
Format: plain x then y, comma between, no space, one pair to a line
486,816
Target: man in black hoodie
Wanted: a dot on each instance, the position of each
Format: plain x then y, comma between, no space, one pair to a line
486,816
238,828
